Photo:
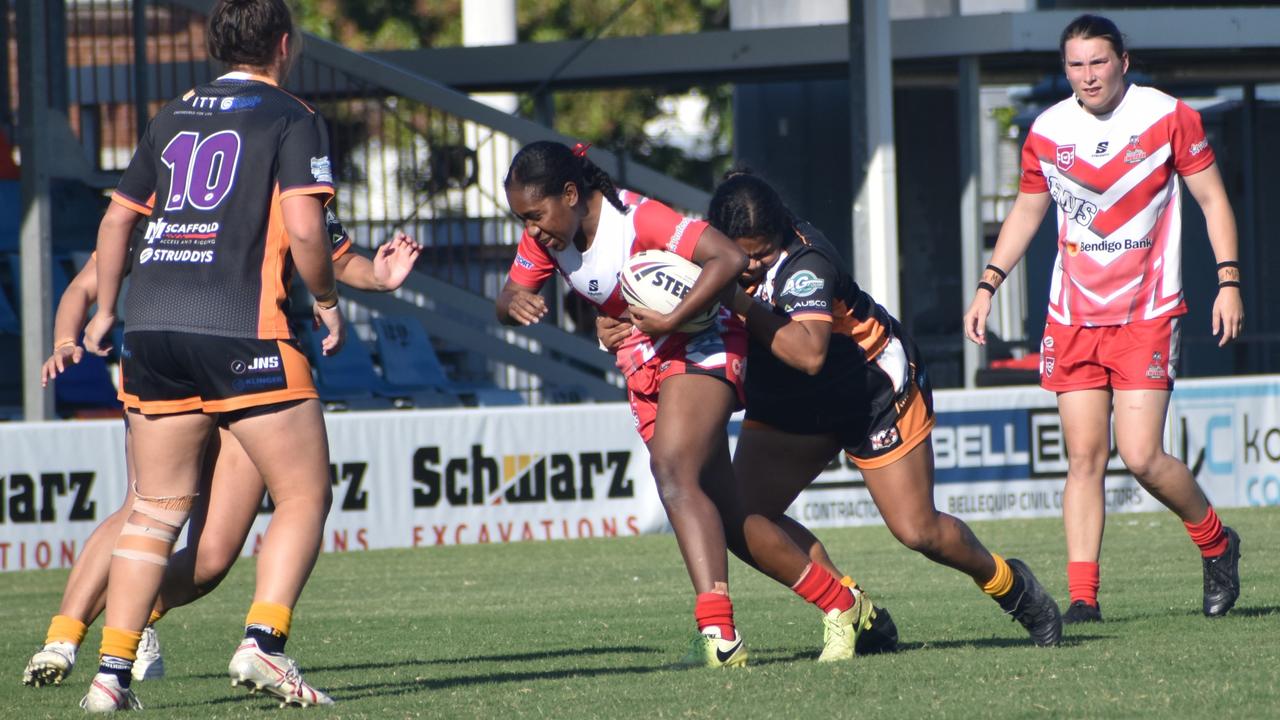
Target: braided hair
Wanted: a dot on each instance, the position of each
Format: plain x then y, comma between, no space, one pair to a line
547,166
744,205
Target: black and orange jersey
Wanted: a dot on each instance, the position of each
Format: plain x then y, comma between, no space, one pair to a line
209,173
809,282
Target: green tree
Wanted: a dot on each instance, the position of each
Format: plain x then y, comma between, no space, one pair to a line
612,118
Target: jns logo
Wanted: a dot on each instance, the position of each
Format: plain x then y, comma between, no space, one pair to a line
262,364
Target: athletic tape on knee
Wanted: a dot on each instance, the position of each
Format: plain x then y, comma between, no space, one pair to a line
171,510
145,543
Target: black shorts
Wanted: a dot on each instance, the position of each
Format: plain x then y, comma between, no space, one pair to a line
166,372
882,411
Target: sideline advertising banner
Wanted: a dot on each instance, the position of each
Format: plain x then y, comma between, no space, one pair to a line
447,477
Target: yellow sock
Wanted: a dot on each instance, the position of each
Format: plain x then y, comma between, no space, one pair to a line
155,617
1002,582
65,629
277,617
120,643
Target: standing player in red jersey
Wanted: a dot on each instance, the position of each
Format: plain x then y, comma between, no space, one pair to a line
682,387
234,176
1110,157
231,489
831,370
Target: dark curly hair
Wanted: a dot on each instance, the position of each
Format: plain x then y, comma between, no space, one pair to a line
744,205
547,166
245,32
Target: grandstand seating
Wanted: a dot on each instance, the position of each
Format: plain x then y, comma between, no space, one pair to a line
410,360
349,380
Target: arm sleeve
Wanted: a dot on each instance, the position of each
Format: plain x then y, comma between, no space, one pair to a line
658,227
337,234
808,288
532,264
1032,180
137,188
304,158
1188,143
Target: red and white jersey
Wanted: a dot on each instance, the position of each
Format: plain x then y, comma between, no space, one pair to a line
648,225
1114,179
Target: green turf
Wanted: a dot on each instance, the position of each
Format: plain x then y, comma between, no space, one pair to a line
583,629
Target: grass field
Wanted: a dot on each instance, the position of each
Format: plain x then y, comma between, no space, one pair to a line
584,629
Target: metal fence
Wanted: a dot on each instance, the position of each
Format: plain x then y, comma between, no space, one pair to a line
407,153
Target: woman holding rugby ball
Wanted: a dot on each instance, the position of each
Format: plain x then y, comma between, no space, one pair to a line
682,387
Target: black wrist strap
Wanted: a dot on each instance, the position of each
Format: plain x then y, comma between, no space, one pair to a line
987,286
1229,264
1229,283
1003,275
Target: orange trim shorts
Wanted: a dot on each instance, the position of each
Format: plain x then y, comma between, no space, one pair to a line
167,372
880,411
1137,356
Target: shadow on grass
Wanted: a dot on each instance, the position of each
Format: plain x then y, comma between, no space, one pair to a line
509,657
1256,611
414,685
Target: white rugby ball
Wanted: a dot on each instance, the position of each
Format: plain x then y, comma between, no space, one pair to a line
658,280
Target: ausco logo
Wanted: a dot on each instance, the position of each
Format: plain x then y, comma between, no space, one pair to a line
802,284
479,479
33,499
1082,211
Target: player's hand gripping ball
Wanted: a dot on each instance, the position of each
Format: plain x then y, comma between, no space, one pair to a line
658,280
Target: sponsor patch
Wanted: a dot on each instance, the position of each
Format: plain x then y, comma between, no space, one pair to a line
523,262
320,169
1134,154
674,242
1197,148
803,284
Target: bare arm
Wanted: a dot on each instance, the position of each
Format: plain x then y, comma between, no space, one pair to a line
1016,232
113,254
802,344
391,264
1228,308
73,312
309,243
519,305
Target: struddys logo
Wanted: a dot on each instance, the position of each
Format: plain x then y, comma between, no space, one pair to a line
478,478
1064,157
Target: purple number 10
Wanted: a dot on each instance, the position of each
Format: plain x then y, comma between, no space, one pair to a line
201,171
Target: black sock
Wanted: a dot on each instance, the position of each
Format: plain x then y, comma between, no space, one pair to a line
269,639
119,667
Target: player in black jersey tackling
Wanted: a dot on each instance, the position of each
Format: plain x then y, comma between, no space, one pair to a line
232,179
831,370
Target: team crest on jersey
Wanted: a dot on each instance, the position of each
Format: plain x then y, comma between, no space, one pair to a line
884,439
1065,157
803,284
1134,154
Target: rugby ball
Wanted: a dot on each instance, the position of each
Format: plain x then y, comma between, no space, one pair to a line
658,280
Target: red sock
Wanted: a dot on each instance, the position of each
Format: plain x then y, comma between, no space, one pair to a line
1082,582
715,609
1208,535
820,587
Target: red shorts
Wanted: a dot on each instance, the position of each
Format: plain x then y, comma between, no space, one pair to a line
1137,356
719,351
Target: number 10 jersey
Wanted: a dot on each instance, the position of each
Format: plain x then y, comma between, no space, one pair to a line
209,174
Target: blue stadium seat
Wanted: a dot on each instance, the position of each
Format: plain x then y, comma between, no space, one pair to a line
85,386
410,360
9,322
349,379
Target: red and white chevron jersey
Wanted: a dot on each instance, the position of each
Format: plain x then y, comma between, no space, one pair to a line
1114,179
